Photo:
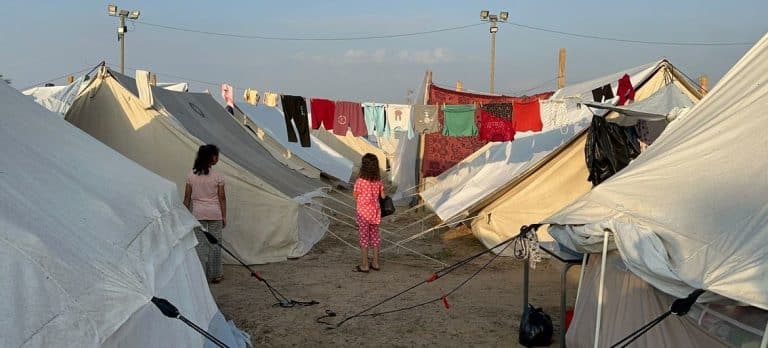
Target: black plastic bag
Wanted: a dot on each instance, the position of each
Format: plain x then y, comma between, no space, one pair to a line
609,149
535,328
387,206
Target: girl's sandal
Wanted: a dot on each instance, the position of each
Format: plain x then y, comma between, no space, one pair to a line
376,268
217,280
358,269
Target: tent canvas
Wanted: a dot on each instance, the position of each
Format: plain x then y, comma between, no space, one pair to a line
271,122
57,98
690,213
84,273
559,179
263,222
352,148
664,105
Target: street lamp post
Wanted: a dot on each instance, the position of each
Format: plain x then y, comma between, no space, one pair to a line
122,29
493,20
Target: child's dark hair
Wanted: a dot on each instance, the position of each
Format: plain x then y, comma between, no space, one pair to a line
204,159
369,169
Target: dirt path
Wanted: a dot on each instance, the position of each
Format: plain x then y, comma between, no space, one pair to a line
485,312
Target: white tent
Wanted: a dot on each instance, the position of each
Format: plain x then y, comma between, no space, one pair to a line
691,212
271,122
87,238
60,98
57,98
268,220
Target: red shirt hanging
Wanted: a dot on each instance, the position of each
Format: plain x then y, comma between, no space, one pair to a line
526,116
625,91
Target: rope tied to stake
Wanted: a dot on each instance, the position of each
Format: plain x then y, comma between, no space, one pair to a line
282,300
680,307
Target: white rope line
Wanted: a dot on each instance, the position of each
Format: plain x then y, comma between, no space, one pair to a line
416,236
415,222
334,234
355,209
384,239
354,219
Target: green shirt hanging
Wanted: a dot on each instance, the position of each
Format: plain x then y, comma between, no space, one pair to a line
459,120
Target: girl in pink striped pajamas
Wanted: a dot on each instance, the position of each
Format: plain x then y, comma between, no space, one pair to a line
368,189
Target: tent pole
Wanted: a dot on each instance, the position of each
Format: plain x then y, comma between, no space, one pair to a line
601,289
764,342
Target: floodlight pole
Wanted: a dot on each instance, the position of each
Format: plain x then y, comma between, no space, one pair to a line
113,11
493,59
485,16
121,38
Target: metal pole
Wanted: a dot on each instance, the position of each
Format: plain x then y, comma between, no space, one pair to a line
122,45
493,58
601,289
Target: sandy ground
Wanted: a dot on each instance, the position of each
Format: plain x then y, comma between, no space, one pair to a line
485,312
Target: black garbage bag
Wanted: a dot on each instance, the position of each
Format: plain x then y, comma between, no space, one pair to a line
535,328
609,149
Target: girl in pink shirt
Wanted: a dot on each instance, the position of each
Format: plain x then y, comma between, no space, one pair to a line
368,189
204,196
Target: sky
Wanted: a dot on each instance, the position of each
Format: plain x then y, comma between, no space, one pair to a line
45,39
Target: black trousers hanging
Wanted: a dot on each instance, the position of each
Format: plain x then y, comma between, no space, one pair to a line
295,108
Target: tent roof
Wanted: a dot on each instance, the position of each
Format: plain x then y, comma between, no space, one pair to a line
691,212
80,270
665,103
319,155
207,120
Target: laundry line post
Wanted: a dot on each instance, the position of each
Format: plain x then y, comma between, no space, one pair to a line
561,69
422,137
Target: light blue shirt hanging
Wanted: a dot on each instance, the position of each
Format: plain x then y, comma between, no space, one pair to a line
375,120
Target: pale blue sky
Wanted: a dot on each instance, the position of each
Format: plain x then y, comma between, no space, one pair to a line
42,40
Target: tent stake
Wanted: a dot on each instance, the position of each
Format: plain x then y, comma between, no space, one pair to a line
601,289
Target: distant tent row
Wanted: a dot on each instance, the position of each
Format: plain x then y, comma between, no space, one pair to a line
87,238
271,216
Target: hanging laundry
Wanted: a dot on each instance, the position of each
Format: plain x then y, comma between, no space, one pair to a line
554,114
459,120
625,90
322,113
295,108
602,94
251,96
228,94
375,119
496,122
425,119
502,110
270,99
526,116
399,119
349,115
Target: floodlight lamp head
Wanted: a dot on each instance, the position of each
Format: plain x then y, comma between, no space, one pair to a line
134,15
124,13
484,14
112,10
504,15
493,18
494,29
